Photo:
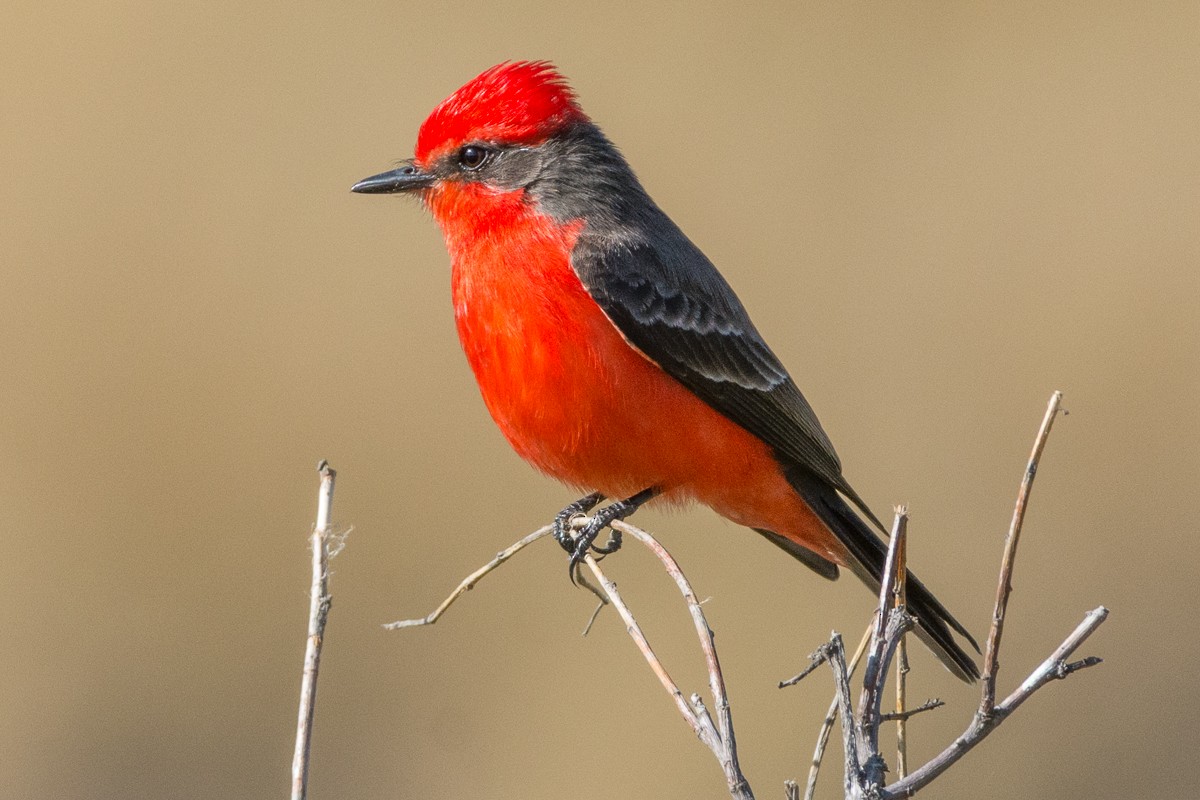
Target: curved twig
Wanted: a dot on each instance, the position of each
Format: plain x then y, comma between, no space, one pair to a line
468,583
1053,668
718,736
991,661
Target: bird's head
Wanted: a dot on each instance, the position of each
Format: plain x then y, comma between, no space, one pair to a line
484,145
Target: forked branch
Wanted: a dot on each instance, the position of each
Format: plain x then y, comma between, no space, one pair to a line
717,734
861,750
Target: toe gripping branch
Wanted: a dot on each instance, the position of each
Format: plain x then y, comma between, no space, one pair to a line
584,541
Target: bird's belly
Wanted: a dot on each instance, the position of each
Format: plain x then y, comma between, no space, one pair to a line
578,402
550,368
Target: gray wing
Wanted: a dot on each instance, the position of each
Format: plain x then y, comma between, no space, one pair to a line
669,301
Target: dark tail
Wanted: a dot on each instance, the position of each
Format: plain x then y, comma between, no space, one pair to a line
868,553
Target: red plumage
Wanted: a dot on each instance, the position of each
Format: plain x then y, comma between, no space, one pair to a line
517,101
608,349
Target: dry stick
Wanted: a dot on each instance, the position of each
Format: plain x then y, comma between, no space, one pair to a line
989,716
928,705
889,626
841,677
815,660
468,583
719,737
1053,668
991,661
814,769
318,613
900,600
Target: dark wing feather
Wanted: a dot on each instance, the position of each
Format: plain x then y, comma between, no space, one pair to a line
669,301
690,323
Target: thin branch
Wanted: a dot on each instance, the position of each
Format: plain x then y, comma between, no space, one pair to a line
902,714
815,660
989,715
841,677
468,583
720,737
907,714
864,776
318,614
1056,667
890,625
717,735
1053,668
991,661
705,733
814,768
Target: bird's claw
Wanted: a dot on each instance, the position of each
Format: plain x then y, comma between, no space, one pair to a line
584,542
565,519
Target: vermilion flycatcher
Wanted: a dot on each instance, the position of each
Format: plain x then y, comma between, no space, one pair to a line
608,348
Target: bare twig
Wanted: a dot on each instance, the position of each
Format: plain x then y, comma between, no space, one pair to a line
1053,668
815,660
890,625
719,736
902,714
991,661
318,613
865,775
814,768
841,678
989,715
716,734
909,713
468,583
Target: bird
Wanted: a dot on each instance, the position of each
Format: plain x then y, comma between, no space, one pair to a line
610,351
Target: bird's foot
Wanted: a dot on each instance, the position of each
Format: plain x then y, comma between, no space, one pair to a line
584,540
564,518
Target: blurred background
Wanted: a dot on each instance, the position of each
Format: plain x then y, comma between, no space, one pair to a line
937,213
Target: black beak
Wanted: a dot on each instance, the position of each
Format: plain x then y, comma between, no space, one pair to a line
408,178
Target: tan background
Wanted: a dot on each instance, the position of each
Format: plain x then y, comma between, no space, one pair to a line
938,213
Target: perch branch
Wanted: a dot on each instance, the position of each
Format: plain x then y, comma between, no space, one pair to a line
841,677
318,614
468,583
719,736
716,734
907,714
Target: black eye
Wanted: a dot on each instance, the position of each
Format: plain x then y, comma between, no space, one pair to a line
472,156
